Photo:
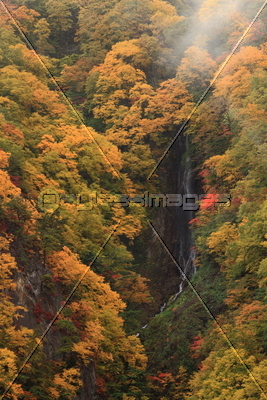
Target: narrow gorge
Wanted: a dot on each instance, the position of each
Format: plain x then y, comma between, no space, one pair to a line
102,295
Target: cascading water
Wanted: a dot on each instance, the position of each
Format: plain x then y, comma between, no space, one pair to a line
186,251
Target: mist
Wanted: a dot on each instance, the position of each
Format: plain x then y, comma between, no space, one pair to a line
218,25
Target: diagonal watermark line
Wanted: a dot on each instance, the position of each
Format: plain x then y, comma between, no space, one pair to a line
218,73
59,312
209,312
77,114
180,131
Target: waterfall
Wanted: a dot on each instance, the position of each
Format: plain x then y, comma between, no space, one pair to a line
186,252
186,185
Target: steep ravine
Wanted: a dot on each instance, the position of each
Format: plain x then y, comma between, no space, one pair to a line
177,176
186,185
180,316
36,290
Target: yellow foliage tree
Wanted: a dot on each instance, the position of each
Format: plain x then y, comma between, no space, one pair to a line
133,288
103,338
219,240
66,383
196,70
235,81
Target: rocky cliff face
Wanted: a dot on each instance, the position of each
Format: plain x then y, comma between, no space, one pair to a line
172,223
42,297
186,185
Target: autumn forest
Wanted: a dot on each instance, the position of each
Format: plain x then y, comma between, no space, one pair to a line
102,298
